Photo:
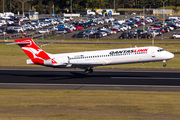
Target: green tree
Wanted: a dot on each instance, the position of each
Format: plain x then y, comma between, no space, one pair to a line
39,7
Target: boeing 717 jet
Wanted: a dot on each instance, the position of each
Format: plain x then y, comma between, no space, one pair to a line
88,60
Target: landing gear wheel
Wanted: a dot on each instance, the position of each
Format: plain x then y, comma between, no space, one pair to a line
90,70
164,65
86,71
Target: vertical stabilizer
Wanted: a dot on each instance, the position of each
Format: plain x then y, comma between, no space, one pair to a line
36,54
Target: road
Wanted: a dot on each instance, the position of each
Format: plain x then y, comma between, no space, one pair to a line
151,80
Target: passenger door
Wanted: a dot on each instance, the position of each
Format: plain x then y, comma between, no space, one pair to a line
153,53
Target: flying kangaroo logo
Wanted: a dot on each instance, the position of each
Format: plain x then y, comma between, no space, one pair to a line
53,61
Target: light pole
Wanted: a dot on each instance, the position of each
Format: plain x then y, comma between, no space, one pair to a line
10,4
3,6
114,5
144,6
163,12
53,10
23,4
71,8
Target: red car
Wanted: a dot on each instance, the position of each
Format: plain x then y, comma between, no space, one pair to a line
156,27
138,23
142,20
78,27
114,30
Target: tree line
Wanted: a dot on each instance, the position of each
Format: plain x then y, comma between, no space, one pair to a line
45,6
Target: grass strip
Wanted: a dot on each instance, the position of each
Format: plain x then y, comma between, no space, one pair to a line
88,104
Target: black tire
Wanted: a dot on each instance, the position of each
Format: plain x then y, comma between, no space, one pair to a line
90,70
164,65
86,71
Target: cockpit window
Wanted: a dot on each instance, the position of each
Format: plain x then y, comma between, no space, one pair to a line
160,50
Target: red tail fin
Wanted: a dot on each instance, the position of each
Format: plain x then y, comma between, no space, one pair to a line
36,54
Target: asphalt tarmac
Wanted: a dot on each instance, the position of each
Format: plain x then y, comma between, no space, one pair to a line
136,80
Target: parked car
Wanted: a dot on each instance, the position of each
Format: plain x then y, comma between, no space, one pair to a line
176,35
68,30
16,20
145,35
126,35
60,26
78,27
73,36
81,35
42,31
164,29
11,31
96,35
61,31
18,29
93,23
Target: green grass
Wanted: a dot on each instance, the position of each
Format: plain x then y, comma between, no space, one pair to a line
88,104
12,55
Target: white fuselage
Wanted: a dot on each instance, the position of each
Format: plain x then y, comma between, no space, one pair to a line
109,57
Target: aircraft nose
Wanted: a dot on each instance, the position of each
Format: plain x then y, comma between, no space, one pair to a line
170,55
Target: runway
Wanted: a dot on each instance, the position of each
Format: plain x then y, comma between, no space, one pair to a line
138,80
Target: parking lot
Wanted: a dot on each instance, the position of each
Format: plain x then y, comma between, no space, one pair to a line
167,35
32,33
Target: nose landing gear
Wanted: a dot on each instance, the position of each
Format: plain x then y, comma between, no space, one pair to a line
164,65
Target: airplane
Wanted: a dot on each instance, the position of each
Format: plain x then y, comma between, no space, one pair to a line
89,59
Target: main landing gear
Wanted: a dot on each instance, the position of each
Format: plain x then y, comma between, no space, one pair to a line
88,70
164,65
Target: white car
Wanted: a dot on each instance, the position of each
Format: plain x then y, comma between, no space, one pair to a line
148,20
19,29
104,34
70,18
61,31
177,24
72,28
42,24
176,35
111,19
106,20
65,19
21,19
25,18
27,27
171,28
42,31
1,24
10,21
